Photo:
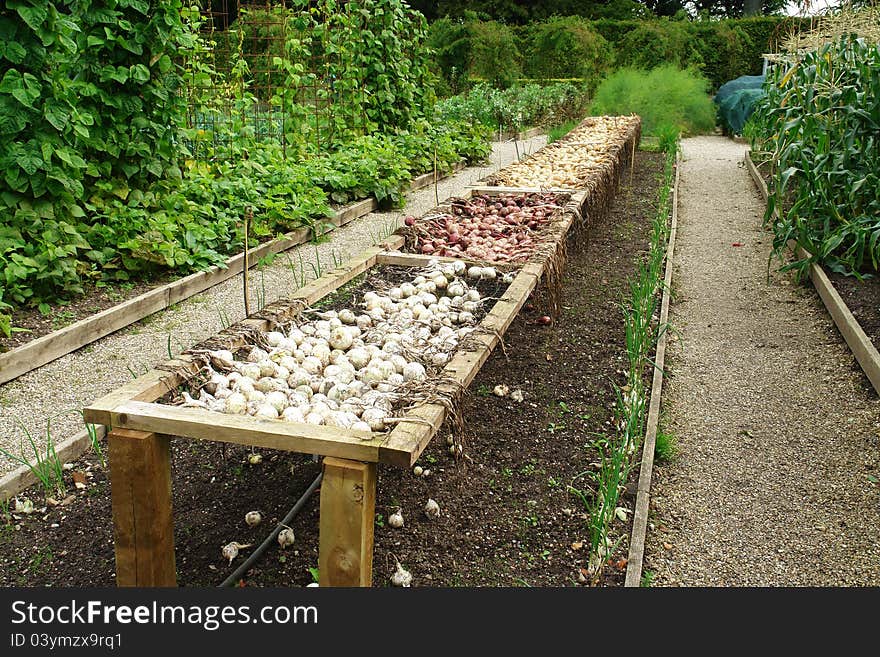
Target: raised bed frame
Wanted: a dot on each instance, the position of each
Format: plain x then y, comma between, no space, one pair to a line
140,428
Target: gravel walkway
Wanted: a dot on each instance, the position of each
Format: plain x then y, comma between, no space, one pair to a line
57,390
777,428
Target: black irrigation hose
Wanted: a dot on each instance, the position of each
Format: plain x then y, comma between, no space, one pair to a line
271,538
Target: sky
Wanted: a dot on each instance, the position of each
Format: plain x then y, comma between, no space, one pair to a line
816,7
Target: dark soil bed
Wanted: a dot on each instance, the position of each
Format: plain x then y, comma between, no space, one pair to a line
509,513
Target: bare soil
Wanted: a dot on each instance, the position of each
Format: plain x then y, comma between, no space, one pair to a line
510,515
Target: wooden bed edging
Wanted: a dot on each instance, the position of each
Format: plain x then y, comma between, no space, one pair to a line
861,346
636,556
52,346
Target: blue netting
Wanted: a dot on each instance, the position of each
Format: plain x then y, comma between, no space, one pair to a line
735,101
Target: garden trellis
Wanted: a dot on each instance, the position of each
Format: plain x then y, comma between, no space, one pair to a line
308,74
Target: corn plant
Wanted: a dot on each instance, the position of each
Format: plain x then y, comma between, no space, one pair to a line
819,120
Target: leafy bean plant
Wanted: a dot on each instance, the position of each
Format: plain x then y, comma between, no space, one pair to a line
617,451
516,108
819,121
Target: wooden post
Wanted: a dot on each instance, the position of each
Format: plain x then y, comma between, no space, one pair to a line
348,508
143,527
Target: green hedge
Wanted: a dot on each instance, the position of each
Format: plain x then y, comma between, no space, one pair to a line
577,47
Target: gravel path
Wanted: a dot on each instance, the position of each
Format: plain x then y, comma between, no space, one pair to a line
58,389
777,428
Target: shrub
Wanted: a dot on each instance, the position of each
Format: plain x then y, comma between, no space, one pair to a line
495,55
450,42
654,43
567,47
662,96
723,51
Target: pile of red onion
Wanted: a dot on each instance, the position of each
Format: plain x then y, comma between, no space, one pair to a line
501,228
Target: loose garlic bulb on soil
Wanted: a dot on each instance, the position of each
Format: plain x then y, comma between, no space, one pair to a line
432,509
253,518
231,550
286,537
396,519
401,577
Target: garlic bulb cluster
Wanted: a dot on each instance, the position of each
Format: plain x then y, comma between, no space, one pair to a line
348,368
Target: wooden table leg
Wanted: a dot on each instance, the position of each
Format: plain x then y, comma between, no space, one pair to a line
143,527
348,508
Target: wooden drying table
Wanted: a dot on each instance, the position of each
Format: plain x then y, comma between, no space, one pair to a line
140,430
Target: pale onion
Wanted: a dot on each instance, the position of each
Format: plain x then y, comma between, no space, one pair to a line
266,411
267,367
398,361
401,577
312,365
375,417
256,355
315,418
251,371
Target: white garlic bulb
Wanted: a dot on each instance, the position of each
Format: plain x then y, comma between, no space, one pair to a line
253,518
432,509
293,414
277,399
230,550
396,519
414,372
235,404
286,537
375,418
340,338
401,577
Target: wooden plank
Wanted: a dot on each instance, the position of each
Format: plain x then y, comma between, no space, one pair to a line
355,210
347,516
859,343
408,440
202,424
143,528
147,387
401,259
636,555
